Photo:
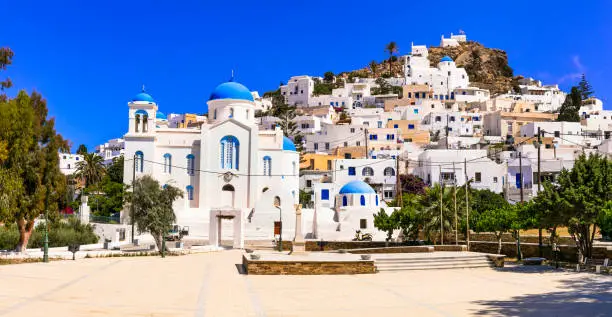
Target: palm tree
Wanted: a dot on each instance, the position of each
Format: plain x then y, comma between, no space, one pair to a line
90,169
433,214
391,48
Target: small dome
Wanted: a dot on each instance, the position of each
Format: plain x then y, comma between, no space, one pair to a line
446,59
288,145
231,90
356,187
160,116
143,96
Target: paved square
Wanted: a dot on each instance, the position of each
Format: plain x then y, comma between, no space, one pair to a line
210,285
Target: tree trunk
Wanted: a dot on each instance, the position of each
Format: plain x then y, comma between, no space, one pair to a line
499,243
158,240
25,232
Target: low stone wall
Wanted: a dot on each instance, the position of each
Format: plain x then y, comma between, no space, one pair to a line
313,245
451,248
567,252
259,267
408,249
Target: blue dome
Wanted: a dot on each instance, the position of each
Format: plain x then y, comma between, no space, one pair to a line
446,59
356,187
231,90
288,145
160,115
143,96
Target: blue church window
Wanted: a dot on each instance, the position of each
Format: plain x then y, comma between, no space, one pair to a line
324,194
168,163
190,192
267,165
139,161
344,201
190,164
230,148
362,200
351,170
376,200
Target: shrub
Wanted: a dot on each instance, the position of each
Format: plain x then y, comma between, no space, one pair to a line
61,234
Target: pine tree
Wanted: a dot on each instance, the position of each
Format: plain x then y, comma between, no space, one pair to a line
82,150
586,91
570,107
287,114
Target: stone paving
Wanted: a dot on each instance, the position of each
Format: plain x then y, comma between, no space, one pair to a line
210,284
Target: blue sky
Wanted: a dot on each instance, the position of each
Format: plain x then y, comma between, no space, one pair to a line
88,58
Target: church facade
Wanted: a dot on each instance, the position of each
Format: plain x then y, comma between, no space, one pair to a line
227,168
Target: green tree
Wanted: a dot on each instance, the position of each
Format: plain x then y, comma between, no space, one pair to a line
10,190
6,59
286,114
115,170
585,190
410,218
153,210
328,77
570,107
383,87
586,91
392,49
498,221
82,150
386,223
32,145
305,198
90,169
604,221
436,218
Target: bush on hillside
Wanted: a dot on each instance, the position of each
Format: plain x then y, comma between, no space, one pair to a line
61,234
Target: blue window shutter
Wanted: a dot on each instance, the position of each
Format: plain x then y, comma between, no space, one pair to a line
324,194
351,171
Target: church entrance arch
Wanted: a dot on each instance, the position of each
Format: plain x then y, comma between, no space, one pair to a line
217,217
227,196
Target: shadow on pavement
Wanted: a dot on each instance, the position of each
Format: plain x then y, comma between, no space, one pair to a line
591,296
240,269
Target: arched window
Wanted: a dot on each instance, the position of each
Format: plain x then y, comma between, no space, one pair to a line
230,148
137,119
136,122
231,115
139,161
367,171
267,165
190,164
215,114
145,123
344,201
389,171
167,163
362,200
190,192
277,201
376,200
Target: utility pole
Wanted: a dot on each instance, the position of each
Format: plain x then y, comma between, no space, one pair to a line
521,175
467,205
46,242
455,201
447,131
441,215
398,185
540,246
365,133
133,195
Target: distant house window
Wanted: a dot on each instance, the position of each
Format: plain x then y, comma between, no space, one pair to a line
351,171
358,143
494,179
478,177
395,126
316,146
411,126
373,136
438,119
416,111
324,194
308,183
379,124
367,171
352,130
267,165
167,163
327,145
389,171
452,118
345,144
557,134
68,166
476,118
363,223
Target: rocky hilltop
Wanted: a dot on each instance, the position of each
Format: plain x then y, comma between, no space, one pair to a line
487,67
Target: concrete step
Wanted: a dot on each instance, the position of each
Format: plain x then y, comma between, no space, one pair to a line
431,260
442,267
432,265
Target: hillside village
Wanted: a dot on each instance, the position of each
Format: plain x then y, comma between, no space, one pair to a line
447,115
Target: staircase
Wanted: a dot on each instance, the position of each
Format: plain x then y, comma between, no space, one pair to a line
431,261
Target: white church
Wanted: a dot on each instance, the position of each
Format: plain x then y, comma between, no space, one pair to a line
237,180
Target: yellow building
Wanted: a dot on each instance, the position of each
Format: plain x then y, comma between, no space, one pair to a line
318,162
